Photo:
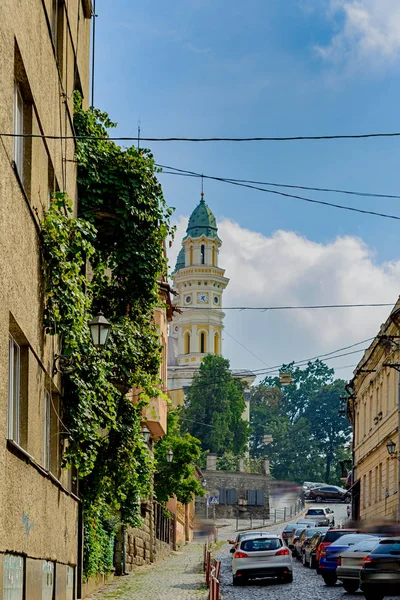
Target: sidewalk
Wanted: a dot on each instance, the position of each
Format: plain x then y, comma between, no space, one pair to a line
178,577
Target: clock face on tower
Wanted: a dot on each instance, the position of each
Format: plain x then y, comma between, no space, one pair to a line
202,297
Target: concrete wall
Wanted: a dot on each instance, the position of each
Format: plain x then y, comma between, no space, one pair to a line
39,514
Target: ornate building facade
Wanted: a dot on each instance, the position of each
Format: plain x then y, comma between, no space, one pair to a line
199,282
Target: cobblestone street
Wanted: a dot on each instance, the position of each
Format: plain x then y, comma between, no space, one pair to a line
178,577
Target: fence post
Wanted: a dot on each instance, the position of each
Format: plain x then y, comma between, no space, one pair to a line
237,519
275,516
208,567
251,521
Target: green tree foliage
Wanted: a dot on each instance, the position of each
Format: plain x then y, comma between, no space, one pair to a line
120,231
214,408
179,477
303,418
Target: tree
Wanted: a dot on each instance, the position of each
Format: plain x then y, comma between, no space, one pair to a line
214,407
179,477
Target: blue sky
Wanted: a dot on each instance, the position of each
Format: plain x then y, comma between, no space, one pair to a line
264,68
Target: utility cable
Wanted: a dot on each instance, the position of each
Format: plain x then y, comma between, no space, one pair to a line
305,307
184,172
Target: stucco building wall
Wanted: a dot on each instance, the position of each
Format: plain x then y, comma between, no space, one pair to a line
375,413
39,510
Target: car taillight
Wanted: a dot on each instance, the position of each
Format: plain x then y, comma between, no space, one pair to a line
283,552
339,561
295,540
323,553
367,561
240,555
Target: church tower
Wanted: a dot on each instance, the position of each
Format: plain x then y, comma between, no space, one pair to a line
199,283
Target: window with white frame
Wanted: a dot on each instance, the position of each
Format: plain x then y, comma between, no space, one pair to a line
14,390
13,577
18,150
47,431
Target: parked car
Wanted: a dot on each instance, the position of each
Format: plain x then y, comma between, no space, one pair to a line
244,534
350,562
308,485
310,549
262,556
293,538
331,536
306,523
298,544
305,547
324,516
329,557
286,533
380,572
330,492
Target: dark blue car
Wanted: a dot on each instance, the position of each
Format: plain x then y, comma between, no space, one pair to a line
329,557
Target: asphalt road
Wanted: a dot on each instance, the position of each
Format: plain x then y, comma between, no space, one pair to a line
307,585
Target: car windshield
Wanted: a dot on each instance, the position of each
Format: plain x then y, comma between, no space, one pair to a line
351,539
261,544
298,531
388,547
315,511
290,527
364,546
332,536
313,530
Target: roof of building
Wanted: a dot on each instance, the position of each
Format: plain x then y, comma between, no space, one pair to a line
180,261
202,222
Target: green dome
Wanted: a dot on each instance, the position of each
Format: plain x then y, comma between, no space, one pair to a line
202,222
180,261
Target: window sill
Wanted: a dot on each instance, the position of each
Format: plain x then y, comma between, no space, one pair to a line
21,453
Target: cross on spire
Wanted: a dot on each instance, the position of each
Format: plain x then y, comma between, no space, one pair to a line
202,188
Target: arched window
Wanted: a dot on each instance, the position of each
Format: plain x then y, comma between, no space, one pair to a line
213,257
203,341
187,343
202,254
216,343
191,256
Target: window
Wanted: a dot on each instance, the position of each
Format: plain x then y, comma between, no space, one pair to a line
70,583
47,431
364,491
203,340
187,343
47,580
387,477
260,544
255,497
216,343
191,256
376,485
13,577
388,392
213,257
227,496
202,254
57,29
14,390
370,488
380,483
18,150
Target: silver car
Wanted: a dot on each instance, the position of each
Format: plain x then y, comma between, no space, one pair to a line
262,556
324,516
350,561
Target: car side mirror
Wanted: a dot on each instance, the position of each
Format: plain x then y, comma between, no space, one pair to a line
230,541
232,550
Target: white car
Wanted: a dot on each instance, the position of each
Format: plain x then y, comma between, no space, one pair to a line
262,556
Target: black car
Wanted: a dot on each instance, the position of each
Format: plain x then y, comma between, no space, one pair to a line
380,572
286,533
330,492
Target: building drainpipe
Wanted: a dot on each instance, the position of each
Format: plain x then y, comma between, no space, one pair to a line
79,574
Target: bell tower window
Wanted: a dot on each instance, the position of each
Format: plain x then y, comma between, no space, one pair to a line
187,343
202,254
191,256
202,342
216,343
213,257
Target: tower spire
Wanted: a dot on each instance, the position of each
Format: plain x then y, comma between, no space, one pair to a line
202,189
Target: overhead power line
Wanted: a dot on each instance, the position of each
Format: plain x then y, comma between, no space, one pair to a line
306,307
186,173
297,138
286,195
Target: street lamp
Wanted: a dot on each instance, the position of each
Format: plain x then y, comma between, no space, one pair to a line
391,448
146,434
99,330
170,456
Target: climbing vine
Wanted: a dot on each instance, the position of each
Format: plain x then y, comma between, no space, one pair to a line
118,239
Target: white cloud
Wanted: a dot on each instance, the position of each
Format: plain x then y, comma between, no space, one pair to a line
369,33
287,269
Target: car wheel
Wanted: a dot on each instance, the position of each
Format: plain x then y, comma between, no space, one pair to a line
347,499
304,560
333,523
318,499
313,563
236,580
350,586
288,578
298,557
373,594
329,579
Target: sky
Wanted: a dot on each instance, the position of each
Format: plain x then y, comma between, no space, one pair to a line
223,68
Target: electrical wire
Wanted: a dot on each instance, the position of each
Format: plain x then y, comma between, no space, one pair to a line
298,138
245,347
295,197
305,307
184,172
